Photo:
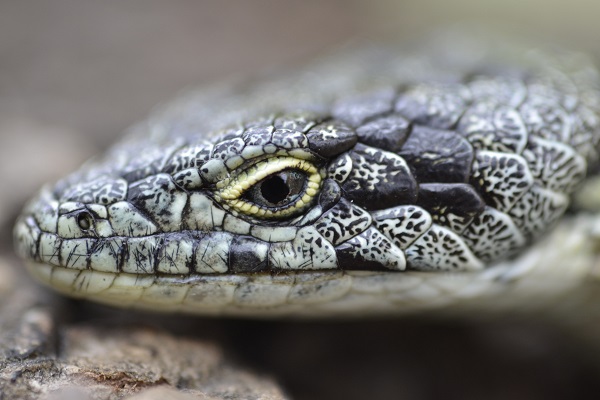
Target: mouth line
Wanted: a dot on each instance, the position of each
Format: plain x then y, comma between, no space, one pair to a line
293,293
213,293
257,295
188,253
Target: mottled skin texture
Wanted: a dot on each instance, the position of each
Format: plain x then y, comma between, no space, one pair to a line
266,195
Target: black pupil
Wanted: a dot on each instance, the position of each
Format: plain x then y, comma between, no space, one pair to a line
274,189
278,190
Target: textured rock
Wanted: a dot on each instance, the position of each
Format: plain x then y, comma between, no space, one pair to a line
44,356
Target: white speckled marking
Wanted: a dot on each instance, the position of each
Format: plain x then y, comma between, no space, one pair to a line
342,222
440,248
502,176
402,225
373,246
493,235
308,250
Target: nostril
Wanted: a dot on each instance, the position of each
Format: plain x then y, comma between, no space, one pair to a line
85,221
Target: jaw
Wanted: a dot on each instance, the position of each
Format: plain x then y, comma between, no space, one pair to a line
303,294
537,280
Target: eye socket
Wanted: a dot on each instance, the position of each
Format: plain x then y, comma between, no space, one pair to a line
277,187
85,221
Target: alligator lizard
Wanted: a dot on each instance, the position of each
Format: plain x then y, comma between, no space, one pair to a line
372,182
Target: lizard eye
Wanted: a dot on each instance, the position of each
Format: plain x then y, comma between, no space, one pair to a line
277,187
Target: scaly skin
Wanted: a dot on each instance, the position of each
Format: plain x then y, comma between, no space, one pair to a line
374,183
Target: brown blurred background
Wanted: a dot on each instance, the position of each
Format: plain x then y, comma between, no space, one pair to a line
74,74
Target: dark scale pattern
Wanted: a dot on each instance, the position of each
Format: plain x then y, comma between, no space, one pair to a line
248,255
379,179
451,204
438,156
539,210
493,235
343,222
403,224
439,249
445,168
329,139
228,148
258,135
185,158
388,132
174,255
371,249
556,165
104,190
434,105
330,194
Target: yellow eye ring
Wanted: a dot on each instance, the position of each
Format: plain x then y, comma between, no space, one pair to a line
231,191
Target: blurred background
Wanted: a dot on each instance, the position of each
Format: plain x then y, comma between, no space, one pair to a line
74,74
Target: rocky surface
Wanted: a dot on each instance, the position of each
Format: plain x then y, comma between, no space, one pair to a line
45,354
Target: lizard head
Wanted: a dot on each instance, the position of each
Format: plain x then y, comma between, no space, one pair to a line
292,192
386,181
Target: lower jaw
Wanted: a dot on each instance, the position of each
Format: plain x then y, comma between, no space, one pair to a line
303,294
553,268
